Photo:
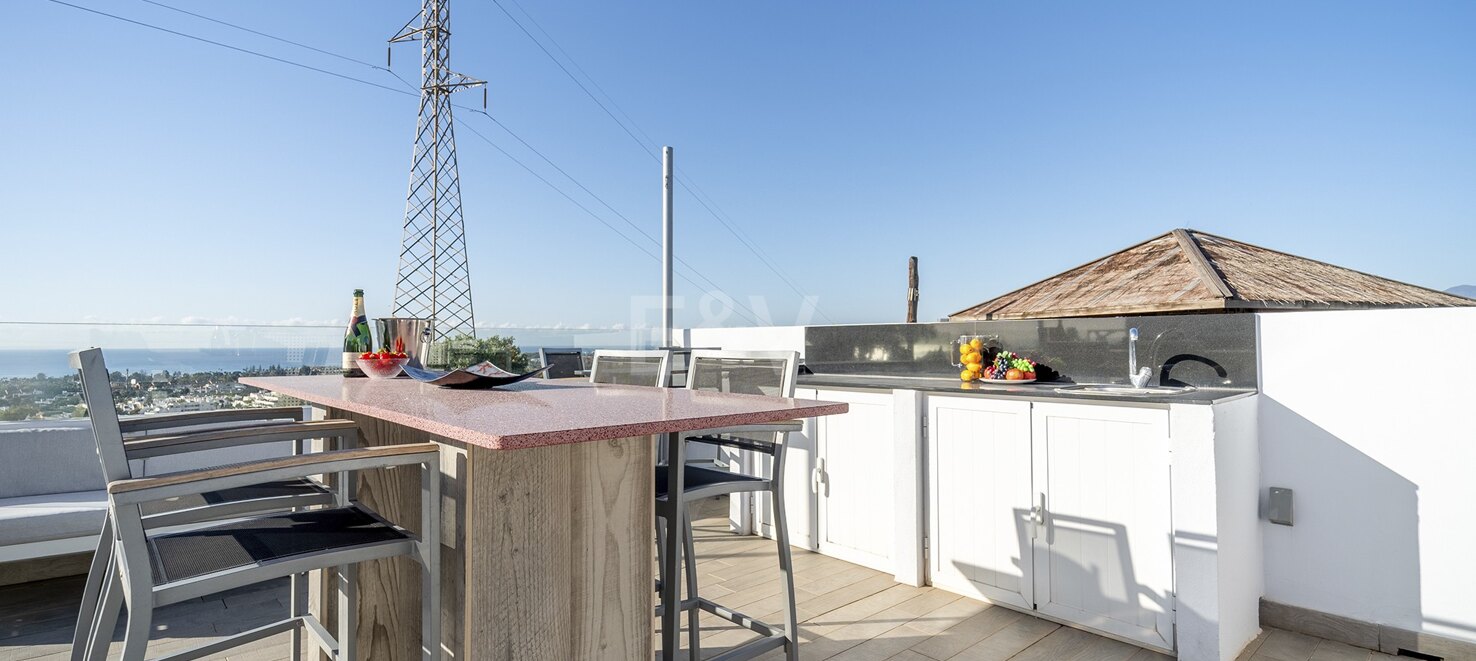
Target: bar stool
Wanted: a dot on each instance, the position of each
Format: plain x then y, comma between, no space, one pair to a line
650,368
148,571
769,373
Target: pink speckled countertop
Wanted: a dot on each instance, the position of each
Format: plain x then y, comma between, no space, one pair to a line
537,413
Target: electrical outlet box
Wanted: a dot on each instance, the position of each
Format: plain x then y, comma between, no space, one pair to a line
1279,506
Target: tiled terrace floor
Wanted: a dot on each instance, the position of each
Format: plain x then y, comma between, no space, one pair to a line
847,612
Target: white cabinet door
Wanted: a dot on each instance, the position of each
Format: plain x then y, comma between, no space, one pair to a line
799,491
980,498
1104,558
853,456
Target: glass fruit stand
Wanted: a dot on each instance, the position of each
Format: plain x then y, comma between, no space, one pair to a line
980,358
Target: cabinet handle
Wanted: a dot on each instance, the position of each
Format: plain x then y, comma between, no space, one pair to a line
817,476
1037,518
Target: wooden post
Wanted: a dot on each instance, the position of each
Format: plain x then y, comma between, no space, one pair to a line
912,290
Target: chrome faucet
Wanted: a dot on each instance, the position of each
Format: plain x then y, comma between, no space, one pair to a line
1138,377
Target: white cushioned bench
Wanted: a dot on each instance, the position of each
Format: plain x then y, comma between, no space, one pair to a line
52,497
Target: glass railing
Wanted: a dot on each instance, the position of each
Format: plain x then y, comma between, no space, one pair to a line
165,368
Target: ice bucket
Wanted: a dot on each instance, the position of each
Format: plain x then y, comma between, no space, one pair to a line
409,334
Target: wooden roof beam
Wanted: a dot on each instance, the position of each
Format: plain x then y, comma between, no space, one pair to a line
1207,271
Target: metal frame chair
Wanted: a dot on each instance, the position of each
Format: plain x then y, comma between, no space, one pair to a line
147,571
555,359
200,431
698,482
607,356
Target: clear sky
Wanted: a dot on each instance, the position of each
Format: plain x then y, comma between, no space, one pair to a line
146,176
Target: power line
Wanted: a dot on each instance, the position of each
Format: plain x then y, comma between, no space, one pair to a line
708,204
238,49
583,208
409,85
268,36
582,72
571,76
602,201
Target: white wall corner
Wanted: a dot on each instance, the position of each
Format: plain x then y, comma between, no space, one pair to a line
1196,534
1240,550
907,472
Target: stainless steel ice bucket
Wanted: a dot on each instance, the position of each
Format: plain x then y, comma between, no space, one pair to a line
408,334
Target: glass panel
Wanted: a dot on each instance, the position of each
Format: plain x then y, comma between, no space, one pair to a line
565,364
749,376
627,370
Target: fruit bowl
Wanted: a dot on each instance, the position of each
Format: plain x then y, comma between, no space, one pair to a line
981,362
1013,382
382,367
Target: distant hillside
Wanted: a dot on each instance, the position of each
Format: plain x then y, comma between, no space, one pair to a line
1469,291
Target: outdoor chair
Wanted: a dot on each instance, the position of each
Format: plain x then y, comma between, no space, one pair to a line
631,368
174,440
562,363
238,525
770,373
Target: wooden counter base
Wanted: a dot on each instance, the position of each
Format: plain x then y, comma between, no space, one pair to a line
546,552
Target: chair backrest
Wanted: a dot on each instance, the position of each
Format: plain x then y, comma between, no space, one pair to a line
562,363
631,368
98,394
769,373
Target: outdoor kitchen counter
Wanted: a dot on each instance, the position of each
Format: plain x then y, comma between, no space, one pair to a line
1029,391
547,508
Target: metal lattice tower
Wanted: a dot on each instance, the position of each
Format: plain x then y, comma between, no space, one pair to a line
433,279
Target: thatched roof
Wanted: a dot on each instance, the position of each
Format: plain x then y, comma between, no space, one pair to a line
1189,270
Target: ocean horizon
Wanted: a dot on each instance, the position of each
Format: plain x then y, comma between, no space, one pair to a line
54,362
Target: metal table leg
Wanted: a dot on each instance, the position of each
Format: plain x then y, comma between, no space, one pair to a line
671,584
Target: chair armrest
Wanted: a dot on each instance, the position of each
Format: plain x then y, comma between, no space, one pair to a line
733,437
787,425
154,446
184,483
152,422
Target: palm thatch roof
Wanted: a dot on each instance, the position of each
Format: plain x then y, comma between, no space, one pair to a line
1188,270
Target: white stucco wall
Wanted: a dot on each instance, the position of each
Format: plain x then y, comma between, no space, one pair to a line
1370,416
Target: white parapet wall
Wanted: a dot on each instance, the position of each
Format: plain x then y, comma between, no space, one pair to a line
757,338
1370,417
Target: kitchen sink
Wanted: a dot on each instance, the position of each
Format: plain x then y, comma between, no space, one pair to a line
1118,390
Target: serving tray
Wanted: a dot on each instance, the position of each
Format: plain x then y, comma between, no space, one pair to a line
480,376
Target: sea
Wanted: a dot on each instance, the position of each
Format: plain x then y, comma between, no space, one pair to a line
54,362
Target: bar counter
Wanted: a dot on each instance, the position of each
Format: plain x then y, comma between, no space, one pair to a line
547,543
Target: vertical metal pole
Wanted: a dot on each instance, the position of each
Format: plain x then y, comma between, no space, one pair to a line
666,185
912,292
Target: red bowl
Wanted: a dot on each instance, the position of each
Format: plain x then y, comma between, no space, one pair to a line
382,368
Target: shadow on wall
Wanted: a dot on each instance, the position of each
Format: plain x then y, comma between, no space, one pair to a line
1361,516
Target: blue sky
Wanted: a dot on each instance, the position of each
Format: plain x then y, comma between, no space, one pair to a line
152,177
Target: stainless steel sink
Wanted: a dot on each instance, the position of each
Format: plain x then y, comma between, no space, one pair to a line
1118,390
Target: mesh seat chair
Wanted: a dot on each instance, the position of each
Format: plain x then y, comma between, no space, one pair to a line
631,368
157,436
562,363
147,571
770,373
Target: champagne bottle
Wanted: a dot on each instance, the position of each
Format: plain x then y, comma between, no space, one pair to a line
358,338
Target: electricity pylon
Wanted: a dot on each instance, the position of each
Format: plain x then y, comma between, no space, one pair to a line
433,280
